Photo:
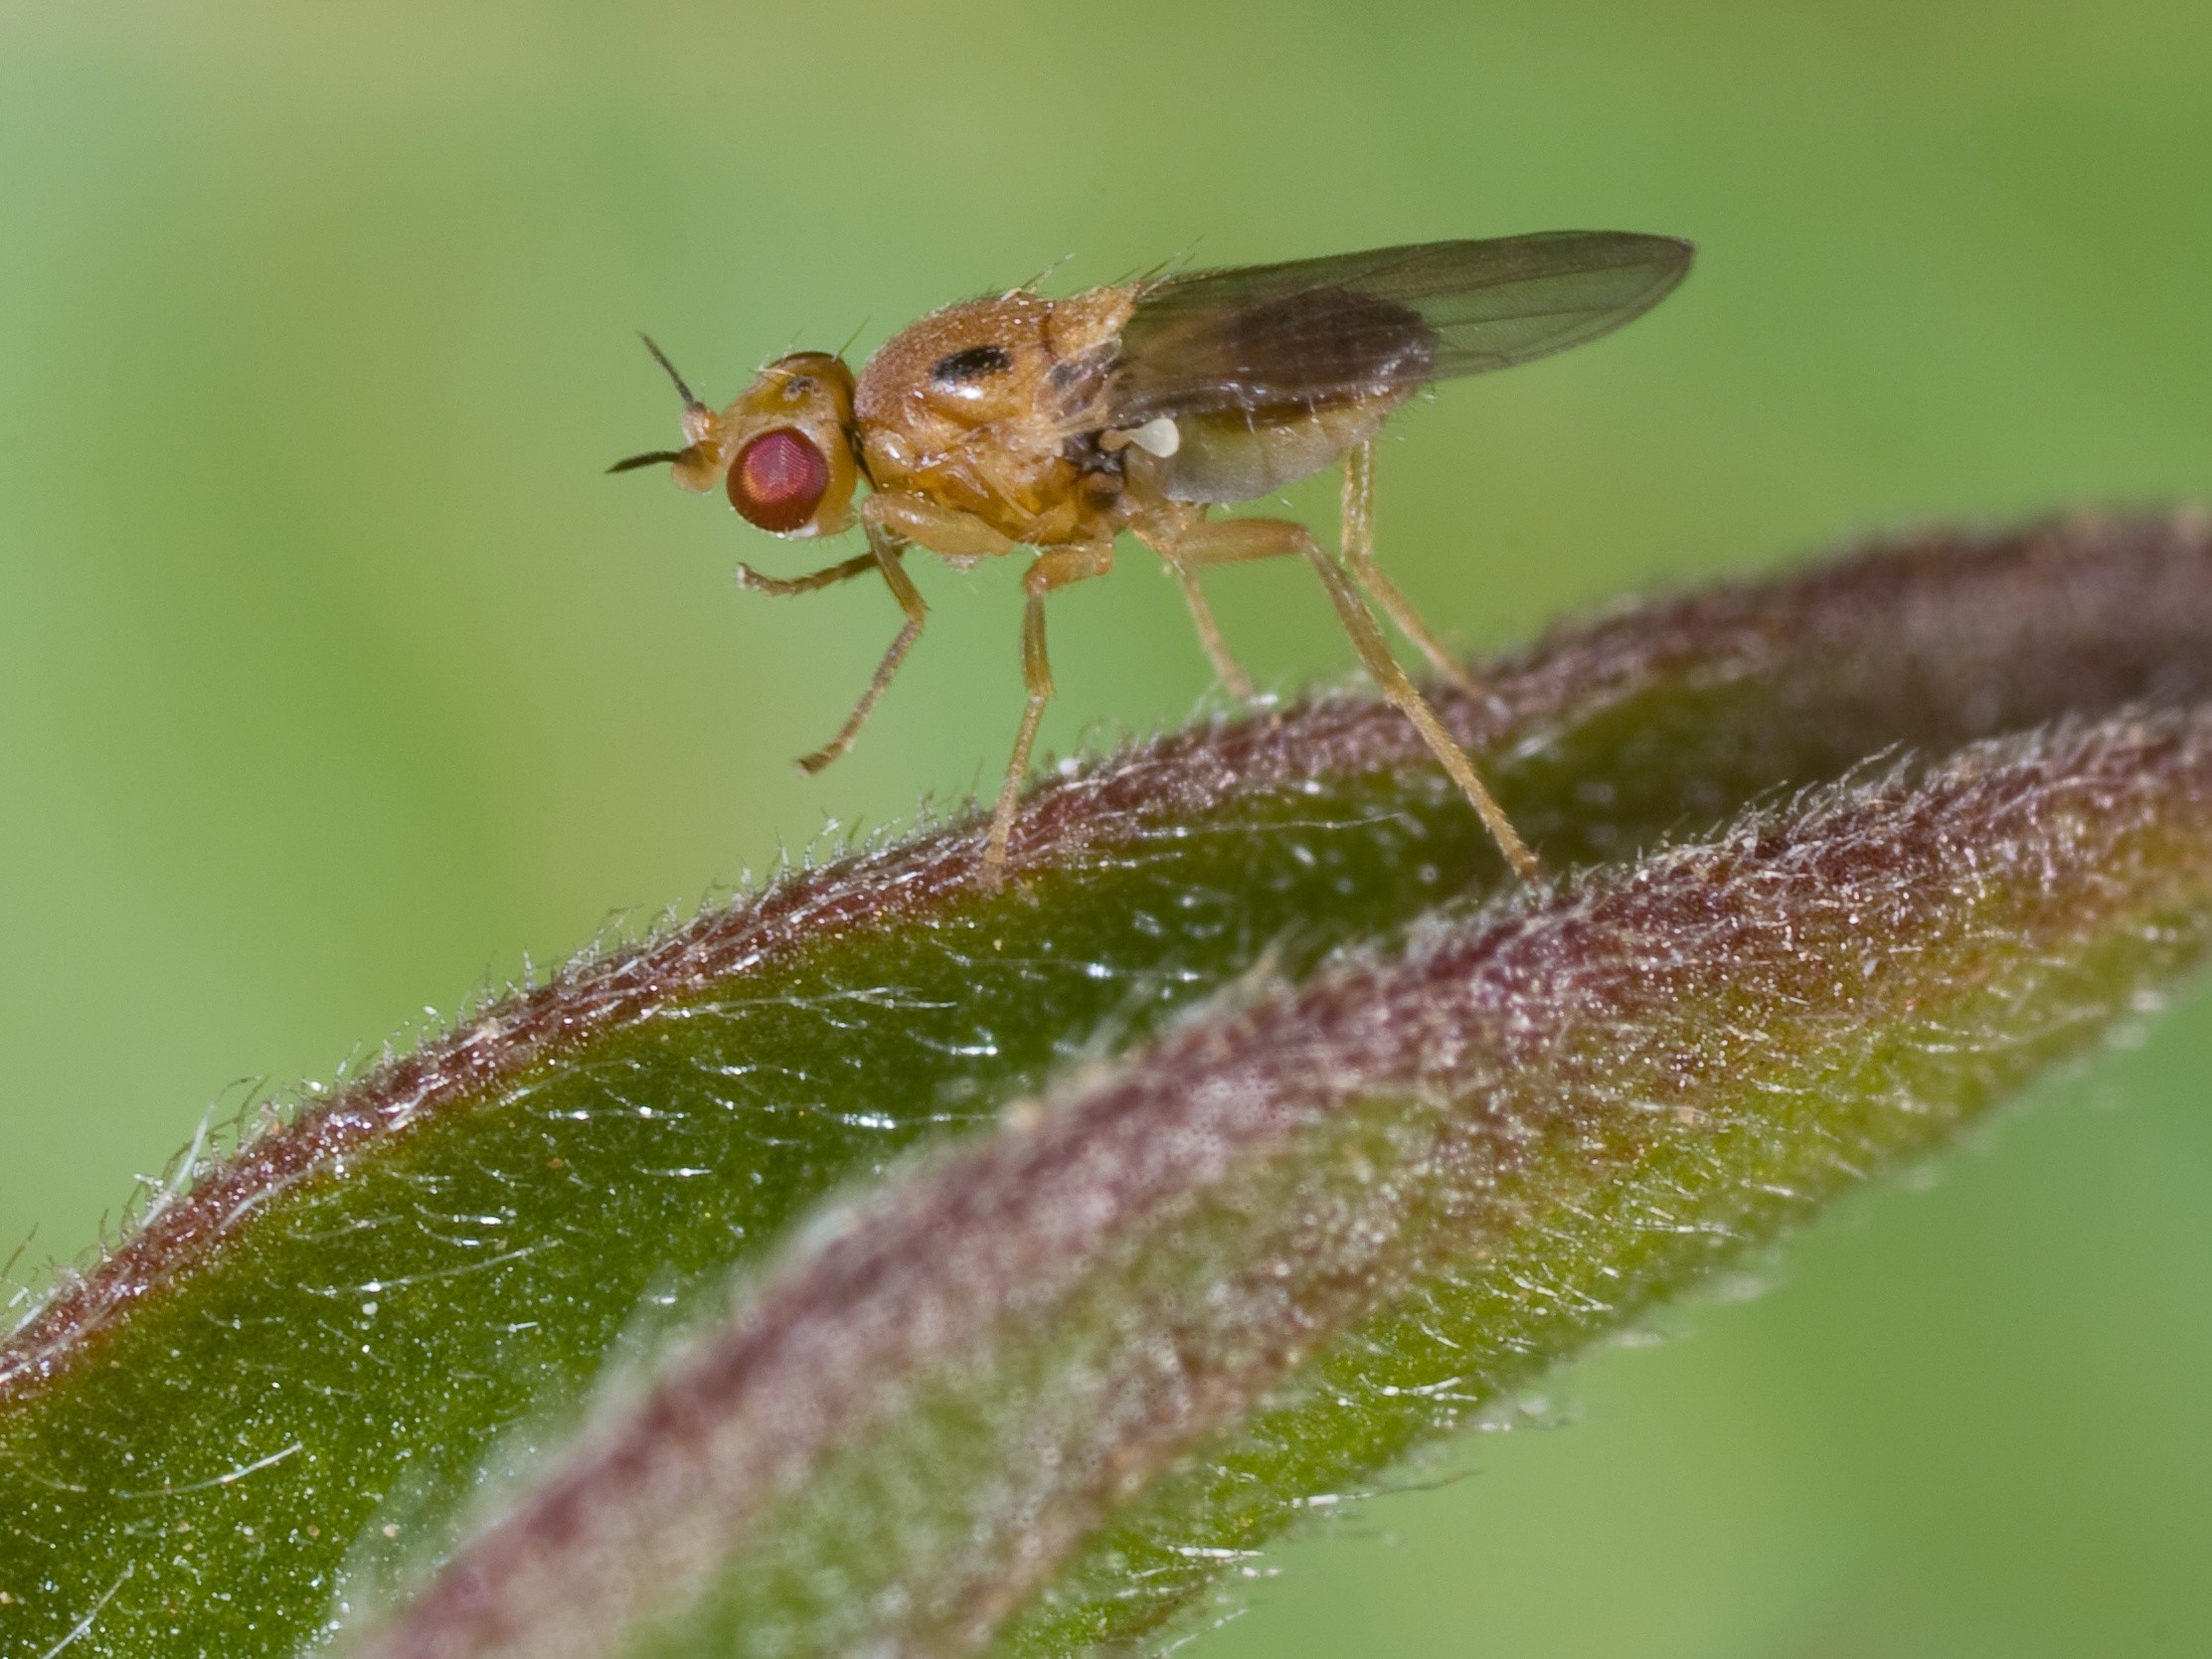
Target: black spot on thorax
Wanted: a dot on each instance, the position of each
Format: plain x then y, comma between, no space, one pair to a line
975,363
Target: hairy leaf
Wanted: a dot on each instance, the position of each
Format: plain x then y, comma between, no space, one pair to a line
339,1345
1344,1216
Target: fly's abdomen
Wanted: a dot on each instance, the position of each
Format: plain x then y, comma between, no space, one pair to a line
1241,454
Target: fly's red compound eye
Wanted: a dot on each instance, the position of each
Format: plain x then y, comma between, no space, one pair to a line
777,481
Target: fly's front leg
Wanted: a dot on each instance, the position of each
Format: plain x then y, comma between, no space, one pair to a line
781,587
929,524
883,554
1359,552
1055,568
892,521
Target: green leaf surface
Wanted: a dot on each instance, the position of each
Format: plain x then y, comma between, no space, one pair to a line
339,1347
1156,1314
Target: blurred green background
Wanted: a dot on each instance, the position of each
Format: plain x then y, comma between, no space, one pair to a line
335,677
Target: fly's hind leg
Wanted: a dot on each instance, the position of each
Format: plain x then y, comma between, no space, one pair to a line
1367,639
1233,541
1227,669
1359,554
1055,568
1187,544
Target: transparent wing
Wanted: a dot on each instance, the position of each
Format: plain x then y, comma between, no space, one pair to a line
1381,324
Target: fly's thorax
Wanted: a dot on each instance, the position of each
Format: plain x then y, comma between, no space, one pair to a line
784,448
967,366
981,405
1014,359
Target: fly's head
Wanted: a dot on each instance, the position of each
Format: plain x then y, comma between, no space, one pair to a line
786,445
782,450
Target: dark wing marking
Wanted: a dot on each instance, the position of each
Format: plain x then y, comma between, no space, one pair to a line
1379,323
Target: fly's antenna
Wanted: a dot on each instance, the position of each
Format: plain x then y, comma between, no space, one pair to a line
660,357
651,457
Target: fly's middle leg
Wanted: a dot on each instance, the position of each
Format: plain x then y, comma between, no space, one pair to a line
1055,568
